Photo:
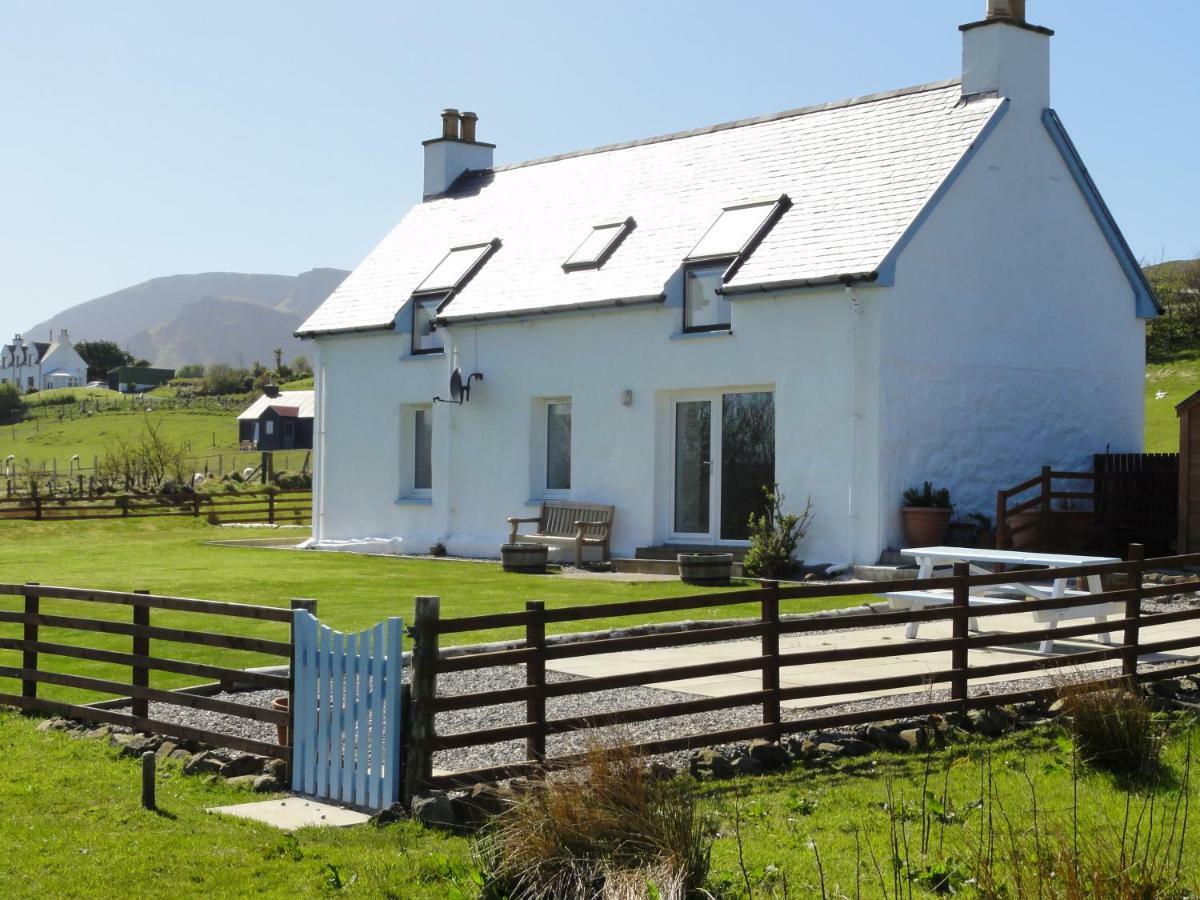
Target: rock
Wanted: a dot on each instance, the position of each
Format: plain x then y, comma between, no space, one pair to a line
830,749
480,804
1164,688
770,755
245,782
1057,708
242,765
748,765
120,738
884,739
277,769
711,764
394,813
205,763
139,744
990,721
55,724
181,754
1189,684
101,732
849,747
266,784
165,749
914,738
660,771
434,810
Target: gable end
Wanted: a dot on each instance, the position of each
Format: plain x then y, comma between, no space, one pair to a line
1147,304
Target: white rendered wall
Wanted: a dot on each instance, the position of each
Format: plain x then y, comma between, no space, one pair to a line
799,345
1012,336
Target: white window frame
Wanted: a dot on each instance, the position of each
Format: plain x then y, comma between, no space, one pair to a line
540,447
408,451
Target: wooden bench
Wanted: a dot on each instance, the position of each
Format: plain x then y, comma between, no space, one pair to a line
1098,612
565,523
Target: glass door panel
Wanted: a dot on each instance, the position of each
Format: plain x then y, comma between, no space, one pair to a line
747,459
693,467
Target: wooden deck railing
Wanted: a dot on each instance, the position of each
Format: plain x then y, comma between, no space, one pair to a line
42,608
767,659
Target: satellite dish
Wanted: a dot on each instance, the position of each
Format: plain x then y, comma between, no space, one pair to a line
460,388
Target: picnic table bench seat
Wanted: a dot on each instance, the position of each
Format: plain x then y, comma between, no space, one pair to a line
567,524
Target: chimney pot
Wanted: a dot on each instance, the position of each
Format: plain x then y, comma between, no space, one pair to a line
468,126
450,124
1007,9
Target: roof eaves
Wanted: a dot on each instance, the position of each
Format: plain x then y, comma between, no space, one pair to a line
539,311
349,329
737,123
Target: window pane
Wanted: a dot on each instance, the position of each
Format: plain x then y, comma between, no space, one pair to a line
703,306
732,231
558,446
594,245
422,450
453,268
693,467
425,336
747,459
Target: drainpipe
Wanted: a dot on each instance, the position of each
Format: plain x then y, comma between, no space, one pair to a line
851,516
319,448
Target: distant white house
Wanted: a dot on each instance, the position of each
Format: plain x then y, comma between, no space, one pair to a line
846,299
39,366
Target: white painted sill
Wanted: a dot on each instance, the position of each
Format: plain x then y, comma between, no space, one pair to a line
411,500
421,357
690,335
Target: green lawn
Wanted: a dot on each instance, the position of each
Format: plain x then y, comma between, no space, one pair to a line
73,827
353,591
1178,380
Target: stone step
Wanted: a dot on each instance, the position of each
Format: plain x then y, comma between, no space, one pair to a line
657,566
892,572
670,551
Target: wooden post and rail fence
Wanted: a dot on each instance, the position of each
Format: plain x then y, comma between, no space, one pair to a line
270,507
45,631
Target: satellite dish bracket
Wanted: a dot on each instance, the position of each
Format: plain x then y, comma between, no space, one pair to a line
460,390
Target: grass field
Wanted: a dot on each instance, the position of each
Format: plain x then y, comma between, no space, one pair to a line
1177,380
352,591
73,828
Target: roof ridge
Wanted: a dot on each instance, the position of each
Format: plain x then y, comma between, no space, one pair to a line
736,123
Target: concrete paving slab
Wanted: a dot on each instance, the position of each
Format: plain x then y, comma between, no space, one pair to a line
292,813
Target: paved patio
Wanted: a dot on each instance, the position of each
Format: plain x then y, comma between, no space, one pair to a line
652,661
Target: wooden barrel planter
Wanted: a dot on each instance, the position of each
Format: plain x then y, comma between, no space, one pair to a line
705,568
529,559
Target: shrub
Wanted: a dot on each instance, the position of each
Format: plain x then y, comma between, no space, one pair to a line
774,536
595,833
927,497
10,402
1113,727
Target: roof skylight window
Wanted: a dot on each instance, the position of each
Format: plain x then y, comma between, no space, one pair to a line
456,267
739,228
599,245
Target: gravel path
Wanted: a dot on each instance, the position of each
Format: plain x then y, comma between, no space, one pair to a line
603,701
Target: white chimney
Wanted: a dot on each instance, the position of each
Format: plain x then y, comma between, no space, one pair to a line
1005,54
454,152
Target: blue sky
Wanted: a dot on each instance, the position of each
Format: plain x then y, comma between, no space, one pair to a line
152,138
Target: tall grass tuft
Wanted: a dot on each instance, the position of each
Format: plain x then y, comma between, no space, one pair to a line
608,830
1113,727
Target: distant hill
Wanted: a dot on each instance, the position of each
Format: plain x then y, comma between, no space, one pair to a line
1176,269
212,317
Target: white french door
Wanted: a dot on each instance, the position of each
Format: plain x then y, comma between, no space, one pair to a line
723,456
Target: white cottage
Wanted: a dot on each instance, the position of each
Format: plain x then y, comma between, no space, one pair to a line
846,299
39,366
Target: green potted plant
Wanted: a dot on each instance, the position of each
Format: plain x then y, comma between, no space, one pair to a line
926,515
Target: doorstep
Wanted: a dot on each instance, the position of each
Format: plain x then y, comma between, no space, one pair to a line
292,813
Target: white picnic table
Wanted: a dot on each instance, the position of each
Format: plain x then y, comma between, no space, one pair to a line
979,559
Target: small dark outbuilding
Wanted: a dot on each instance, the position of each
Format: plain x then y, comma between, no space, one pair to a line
278,420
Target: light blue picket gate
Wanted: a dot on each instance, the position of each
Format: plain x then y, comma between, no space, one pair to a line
347,728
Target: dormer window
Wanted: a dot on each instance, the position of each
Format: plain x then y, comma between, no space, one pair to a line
425,335
704,309
599,245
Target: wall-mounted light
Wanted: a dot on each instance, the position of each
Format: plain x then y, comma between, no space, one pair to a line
627,397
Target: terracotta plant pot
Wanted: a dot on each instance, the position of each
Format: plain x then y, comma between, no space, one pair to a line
705,568
925,526
529,559
280,704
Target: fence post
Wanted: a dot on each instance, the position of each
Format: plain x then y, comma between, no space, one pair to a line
771,714
266,467
959,655
270,508
311,606
535,678
29,658
419,765
1044,511
1001,537
141,647
1133,612
37,502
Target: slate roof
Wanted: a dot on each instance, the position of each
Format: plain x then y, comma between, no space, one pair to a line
298,404
857,172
